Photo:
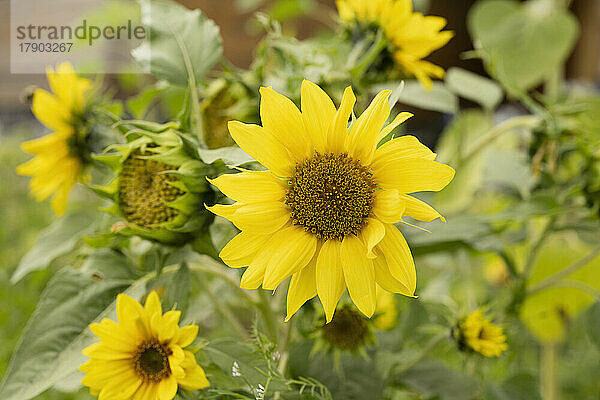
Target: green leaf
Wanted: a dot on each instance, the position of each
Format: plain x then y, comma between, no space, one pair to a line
232,155
56,240
183,44
439,98
474,87
522,42
50,348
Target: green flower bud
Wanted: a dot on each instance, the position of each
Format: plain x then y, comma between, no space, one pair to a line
159,188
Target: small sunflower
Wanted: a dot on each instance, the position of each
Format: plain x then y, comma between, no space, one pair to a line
143,357
325,211
411,36
482,336
59,156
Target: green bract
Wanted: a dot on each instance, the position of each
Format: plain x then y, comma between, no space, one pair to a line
160,187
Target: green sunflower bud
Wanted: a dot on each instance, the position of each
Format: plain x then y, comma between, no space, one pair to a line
159,188
225,100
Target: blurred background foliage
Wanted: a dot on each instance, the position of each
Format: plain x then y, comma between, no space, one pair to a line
510,207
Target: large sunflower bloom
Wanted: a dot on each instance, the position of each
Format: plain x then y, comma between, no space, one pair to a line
325,212
58,162
143,357
411,36
482,336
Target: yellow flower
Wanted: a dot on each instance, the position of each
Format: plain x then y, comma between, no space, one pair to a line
143,357
411,36
324,214
58,163
482,336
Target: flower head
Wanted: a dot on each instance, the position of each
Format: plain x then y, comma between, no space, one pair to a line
159,188
324,213
411,36
61,155
144,356
482,336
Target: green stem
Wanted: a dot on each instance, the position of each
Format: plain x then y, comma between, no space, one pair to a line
378,45
548,383
556,278
285,355
523,121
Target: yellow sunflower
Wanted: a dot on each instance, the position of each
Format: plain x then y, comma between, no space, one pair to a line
482,336
324,213
143,357
58,162
411,36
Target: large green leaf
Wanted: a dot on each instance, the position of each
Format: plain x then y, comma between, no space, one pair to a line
474,87
522,43
431,378
439,98
593,323
56,240
181,43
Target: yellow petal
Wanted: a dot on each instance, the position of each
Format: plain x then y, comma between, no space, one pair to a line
388,206
132,317
338,130
359,275
291,249
50,111
400,118
420,210
386,280
167,388
240,251
109,331
261,218
251,186
187,334
103,352
329,276
152,305
398,257
402,147
225,211
169,326
263,147
318,112
303,287
282,119
147,391
366,131
372,234
253,276
411,175
195,378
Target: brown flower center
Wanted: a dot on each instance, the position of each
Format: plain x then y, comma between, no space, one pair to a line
331,195
348,329
151,361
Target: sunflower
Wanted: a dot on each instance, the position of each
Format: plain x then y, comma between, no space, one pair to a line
143,357
59,158
411,36
325,210
482,336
